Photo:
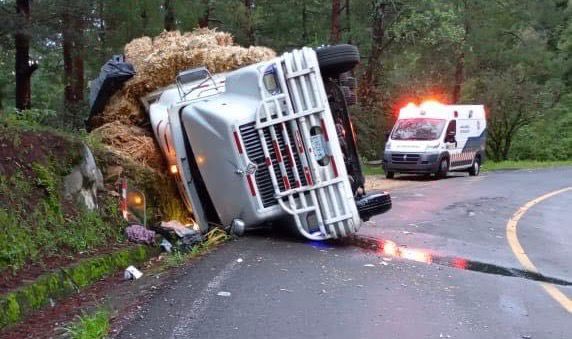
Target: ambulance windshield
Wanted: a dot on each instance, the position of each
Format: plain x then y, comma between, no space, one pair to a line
418,129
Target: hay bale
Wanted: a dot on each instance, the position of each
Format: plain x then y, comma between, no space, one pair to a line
158,62
132,142
137,49
122,108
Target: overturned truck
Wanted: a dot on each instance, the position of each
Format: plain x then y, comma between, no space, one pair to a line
269,141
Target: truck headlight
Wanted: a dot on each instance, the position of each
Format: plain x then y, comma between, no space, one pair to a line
388,146
270,80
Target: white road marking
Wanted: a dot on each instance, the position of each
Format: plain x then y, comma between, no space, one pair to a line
186,324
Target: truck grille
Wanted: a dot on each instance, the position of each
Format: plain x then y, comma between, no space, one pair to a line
255,153
404,158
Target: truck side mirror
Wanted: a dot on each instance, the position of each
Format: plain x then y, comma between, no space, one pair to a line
387,135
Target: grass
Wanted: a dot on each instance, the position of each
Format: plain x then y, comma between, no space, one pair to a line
35,220
89,326
523,164
212,239
490,166
372,169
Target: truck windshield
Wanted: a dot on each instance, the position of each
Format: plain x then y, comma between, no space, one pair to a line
418,129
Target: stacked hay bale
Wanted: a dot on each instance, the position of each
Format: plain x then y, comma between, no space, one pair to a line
124,125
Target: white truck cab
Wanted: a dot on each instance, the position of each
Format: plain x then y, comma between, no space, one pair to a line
268,141
434,138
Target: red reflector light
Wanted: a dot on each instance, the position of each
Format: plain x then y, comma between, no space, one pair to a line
308,176
237,141
277,150
323,124
251,185
336,174
286,182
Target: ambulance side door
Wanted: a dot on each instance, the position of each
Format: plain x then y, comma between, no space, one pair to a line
451,143
465,129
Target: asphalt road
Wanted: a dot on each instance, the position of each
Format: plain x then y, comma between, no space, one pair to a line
268,285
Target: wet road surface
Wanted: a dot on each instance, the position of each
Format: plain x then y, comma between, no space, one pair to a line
437,272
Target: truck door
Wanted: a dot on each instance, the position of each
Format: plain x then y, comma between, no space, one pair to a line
451,143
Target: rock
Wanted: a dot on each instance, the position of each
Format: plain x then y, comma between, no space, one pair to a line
85,179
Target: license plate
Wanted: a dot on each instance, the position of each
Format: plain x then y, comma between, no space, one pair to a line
318,146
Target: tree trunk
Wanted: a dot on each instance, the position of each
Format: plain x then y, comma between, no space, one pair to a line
335,32
460,64
23,67
73,50
348,22
144,20
304,23
250,29
459,77
373,69
170,23
204,20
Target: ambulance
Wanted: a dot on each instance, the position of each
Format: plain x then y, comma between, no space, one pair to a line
434,138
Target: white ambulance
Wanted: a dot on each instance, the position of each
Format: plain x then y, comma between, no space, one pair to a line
434,138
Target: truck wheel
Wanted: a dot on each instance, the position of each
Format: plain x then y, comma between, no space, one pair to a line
476,168
337,59
389,174
443,168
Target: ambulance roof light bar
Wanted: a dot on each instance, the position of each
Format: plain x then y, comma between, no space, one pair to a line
428,106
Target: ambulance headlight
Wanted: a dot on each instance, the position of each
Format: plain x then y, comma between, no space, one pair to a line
388,146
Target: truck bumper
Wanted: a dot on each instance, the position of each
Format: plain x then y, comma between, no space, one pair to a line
410,162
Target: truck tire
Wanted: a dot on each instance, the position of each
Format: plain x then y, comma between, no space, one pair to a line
389,174
337,59
443,168
348,80
476,168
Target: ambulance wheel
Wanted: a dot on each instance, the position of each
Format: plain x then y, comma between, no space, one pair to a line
389,174
337,59
476,168
443,168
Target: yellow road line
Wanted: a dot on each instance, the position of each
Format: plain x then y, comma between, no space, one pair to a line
520,254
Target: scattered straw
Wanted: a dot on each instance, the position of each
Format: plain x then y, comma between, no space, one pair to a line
132,142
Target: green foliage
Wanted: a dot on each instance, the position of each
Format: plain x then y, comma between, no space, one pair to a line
89,326
14,305
515,56
212,239
47,179
523,164
15,244
372,169
35,221
32,118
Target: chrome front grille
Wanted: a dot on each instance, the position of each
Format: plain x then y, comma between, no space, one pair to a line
255,153
405,158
